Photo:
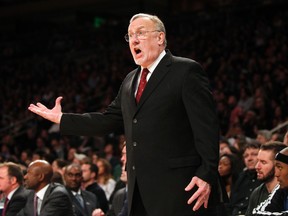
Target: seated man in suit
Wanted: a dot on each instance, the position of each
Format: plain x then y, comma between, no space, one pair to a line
11,184
84,202
49,198
119,203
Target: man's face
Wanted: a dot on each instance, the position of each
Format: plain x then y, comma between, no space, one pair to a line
250,157
86,173
265,165
32,178
5,180
281,172
261,139
73,178
123,176
146,49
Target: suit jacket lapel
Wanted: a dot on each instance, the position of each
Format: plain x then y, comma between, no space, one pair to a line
87,203
75,202
46,195
154,81
132,87
14,195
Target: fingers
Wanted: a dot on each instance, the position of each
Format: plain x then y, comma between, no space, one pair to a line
41,106
53,114
35,109
58,100
191,184
202,200
201,195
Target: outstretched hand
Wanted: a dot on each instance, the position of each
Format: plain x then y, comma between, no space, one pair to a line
201,195
53,114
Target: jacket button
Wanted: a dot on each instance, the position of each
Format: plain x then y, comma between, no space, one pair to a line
134,121
133,168
134,144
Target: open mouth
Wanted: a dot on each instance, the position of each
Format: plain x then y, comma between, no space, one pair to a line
137,51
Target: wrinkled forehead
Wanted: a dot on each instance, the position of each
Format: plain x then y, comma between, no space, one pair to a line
141,23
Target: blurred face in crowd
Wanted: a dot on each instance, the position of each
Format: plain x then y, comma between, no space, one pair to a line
265,165
73,178
6,181
261,139
224,148
33,177
250,157
86,173
123,176
281,172
224,166
146,42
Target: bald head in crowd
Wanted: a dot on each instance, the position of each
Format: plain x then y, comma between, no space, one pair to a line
39,174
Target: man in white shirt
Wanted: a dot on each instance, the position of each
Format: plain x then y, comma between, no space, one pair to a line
49,198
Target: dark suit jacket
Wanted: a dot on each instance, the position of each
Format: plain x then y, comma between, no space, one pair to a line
17,201
117,202
56,202
171,135
90,202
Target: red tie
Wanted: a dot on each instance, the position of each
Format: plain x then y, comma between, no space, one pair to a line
142,84
5,206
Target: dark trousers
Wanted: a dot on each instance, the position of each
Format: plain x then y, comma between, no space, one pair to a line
138,208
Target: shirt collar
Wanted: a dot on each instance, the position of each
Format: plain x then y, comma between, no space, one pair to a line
78,192
11,193
152,67
40,194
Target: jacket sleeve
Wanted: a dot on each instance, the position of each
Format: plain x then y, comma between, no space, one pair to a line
201,110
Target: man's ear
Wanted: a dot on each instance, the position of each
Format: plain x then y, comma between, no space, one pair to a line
161,38
13,180
41,177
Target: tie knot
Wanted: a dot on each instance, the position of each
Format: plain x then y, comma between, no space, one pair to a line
145,72
142,84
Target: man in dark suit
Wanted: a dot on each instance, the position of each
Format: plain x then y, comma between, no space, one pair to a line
171,129
89,174
119,205
11,184
84,202
49,199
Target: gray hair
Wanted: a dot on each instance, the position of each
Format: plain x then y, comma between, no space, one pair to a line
158,23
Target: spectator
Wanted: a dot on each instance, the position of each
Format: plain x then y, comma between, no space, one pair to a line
51,198
119,202
11,184
83,202
265,168
229,170
246,182
104,178
276,203
90,173
263,136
